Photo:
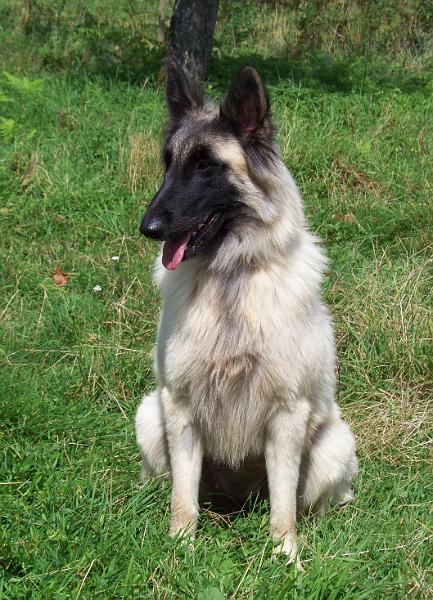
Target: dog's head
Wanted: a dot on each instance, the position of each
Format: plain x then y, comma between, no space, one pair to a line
214,158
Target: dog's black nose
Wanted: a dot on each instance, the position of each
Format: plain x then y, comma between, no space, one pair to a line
152,228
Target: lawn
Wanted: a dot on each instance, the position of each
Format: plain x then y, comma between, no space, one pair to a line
79,160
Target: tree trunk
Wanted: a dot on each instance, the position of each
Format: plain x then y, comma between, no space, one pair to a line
161,20
191,36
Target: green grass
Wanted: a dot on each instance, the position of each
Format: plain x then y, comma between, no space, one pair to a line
78,162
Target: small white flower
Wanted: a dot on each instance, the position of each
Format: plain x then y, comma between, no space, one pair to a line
115,258
97,288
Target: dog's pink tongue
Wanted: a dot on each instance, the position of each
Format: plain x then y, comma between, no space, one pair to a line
173,252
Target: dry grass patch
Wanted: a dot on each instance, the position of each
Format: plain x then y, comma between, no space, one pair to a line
385,343
394,426
142,161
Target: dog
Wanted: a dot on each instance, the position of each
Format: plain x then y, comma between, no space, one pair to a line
245,357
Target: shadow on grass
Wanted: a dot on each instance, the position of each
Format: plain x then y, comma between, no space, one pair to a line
227,509
314,70
118,43
137,61
323,72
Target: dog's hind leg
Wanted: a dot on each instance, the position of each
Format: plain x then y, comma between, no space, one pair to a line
151,436
328,468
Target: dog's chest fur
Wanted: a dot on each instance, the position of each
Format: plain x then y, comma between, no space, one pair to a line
218,349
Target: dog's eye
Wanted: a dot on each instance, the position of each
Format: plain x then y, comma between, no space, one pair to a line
203,164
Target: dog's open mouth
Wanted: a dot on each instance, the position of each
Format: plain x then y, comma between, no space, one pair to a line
174,252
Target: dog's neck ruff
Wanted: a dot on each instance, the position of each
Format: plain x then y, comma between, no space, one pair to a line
275,227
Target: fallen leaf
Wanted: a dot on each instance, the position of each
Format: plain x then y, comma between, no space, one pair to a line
346,218
60,278
354,176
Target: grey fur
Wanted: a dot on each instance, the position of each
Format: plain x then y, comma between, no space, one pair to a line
245,353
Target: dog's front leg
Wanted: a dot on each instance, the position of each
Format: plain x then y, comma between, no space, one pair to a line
186,456
284,445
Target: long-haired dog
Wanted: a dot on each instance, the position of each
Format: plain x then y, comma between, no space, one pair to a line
245,358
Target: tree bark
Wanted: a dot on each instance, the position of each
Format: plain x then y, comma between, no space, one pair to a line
161,20
191,36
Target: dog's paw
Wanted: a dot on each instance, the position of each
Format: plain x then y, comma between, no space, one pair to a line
345,498
185,539
184,529
286,549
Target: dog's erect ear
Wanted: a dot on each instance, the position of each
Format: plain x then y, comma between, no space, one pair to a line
182,94
246,106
